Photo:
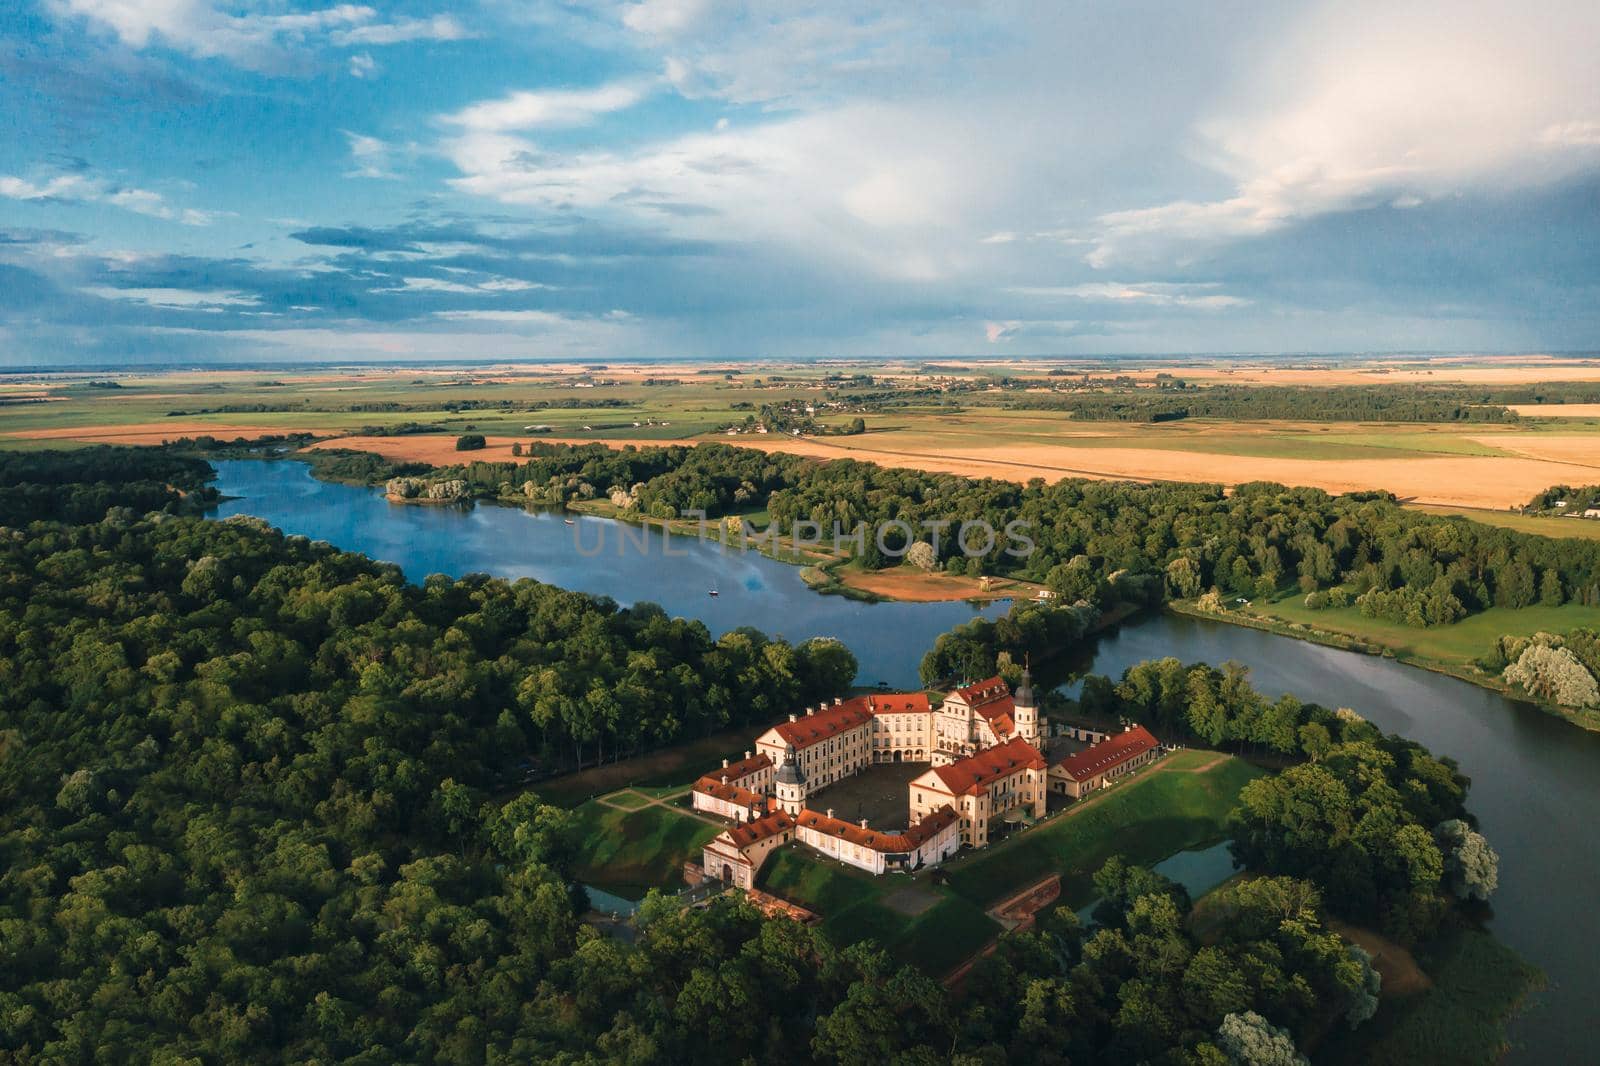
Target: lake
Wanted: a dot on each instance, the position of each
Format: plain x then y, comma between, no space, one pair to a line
628,563
1535,778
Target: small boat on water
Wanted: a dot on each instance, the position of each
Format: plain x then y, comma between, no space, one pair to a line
568,521
712,591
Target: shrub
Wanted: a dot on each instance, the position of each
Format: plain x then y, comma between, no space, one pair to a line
470,442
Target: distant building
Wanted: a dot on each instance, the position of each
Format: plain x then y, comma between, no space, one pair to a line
1097,766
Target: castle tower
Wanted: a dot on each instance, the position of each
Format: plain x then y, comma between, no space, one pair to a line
791,784
1027,711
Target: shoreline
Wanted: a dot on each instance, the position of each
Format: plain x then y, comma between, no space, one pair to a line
1580,717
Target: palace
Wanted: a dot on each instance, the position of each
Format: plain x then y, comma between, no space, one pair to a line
981,743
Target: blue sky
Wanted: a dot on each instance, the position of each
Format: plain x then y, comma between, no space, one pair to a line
201,180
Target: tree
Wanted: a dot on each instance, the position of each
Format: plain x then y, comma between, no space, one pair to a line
1471,866
470,442
922,556
516,448
1551,594
1248,1039
1554,674
1364,1004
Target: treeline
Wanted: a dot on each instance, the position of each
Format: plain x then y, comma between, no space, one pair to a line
79,485
1350,403
1566,499
1258,540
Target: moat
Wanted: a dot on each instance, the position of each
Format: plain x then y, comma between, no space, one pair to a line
1535,778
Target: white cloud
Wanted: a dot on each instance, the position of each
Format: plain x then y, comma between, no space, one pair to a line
533,110
438,28
485,287
210,301
255,38
370,157
1364,107
80,188
1201,295
362,65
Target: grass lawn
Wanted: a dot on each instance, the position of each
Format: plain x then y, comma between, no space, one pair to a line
629,852
1477,984
627,799
1165,809
1459,644
853,908
1543,525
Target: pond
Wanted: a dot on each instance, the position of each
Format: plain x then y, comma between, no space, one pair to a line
1536,779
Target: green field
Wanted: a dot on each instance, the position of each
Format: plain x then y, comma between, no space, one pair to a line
1543,525
1457,645
853,907
629,852
1166,809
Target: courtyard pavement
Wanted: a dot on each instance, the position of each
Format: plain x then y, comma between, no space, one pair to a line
877,794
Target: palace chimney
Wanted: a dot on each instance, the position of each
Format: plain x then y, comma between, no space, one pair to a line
830,812
863,823
791,718
724,764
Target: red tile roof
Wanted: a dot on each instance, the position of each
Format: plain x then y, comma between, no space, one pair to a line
736,771
827,723
748,833
1109,753
985,691
730,792
972,775
900,703
930,826
991,699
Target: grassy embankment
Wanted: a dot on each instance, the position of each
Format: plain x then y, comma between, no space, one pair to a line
1453,649
635,845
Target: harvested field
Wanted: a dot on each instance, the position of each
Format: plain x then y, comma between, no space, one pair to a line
1486,481
1577,449
1556,410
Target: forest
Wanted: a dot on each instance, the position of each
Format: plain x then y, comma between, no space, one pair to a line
250,811
1259,539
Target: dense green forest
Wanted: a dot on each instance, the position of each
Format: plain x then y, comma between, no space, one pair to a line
1257,540
246,816
79,485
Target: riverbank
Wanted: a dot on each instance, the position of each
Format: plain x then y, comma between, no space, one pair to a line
1462,669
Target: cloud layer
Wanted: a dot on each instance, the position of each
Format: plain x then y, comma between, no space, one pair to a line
683,177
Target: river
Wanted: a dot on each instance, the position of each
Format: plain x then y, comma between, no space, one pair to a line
1535,778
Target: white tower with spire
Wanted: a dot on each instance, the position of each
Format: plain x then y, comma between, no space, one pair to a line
1027,711
791,784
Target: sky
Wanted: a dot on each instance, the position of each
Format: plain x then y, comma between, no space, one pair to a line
199,181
